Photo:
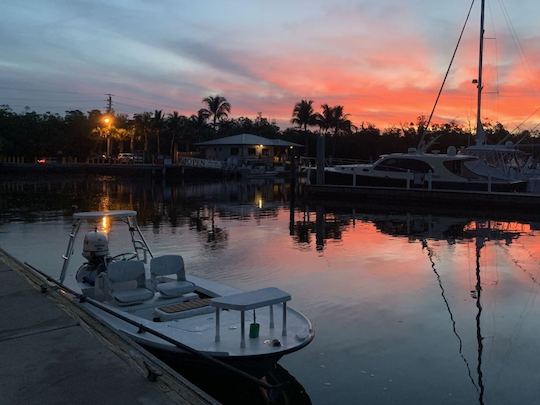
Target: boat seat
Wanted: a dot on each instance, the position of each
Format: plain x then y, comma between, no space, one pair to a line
165,266
126,282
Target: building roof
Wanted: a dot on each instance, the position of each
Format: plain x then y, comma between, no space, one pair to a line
247,139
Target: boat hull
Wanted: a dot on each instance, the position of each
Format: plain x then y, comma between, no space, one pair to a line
352,179
256,366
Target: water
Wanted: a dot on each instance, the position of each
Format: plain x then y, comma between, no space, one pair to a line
408,307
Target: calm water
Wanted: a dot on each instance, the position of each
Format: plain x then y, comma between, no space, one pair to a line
408,307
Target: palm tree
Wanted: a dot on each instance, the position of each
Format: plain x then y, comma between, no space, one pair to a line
218,108
325,120
174,125
342,123
198,124
333,118
143,126
303,114
158,122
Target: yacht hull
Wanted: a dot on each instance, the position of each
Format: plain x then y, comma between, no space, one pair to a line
351,179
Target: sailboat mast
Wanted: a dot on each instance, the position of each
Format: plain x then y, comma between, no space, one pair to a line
480,135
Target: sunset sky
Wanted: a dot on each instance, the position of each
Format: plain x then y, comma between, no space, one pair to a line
382,60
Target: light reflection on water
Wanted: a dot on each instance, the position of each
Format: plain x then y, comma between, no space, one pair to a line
408,306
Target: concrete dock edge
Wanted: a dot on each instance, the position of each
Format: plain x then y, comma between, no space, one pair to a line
175,387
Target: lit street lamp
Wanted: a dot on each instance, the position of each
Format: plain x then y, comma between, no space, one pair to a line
107,120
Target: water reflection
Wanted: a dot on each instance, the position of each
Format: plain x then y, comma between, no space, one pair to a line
229,388
330,224
423,228
410,305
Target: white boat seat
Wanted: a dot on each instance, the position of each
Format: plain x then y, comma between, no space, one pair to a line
165,266
126,282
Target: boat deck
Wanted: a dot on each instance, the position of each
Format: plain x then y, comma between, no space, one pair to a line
198,331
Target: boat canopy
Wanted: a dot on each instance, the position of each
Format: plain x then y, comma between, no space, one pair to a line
100,214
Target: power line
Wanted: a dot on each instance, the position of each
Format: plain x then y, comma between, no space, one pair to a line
46,91
108,100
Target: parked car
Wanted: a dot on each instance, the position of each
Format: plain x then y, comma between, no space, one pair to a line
126,157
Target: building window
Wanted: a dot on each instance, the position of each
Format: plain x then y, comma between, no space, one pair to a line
252,152
234,151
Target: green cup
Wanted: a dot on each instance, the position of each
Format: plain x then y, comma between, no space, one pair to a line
254,330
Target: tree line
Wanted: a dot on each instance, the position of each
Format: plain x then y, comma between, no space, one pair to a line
85,135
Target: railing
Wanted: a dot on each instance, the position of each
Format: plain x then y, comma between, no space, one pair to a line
308,161
202,163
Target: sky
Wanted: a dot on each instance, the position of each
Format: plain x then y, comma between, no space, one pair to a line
383,60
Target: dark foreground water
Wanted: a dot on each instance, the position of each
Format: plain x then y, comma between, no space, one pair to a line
409,307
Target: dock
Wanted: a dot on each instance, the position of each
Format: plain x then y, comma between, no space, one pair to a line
54,352
473,200
115,169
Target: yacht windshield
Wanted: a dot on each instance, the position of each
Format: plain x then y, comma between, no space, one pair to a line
458,168
403,165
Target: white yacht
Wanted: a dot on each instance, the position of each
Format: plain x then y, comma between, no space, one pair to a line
481,167
417,170
153,301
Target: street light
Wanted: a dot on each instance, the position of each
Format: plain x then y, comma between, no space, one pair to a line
107,120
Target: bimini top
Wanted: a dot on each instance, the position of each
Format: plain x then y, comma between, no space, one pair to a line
100,214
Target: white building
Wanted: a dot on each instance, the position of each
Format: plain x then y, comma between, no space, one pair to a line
248,148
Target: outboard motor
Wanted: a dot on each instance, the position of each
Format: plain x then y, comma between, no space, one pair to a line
96,251
95,247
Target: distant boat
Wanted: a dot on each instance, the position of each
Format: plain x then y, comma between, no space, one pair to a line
417,170
502,161
478,168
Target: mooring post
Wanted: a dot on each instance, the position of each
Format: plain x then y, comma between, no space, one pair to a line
320,159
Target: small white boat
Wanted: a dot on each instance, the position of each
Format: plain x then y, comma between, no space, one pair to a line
201,315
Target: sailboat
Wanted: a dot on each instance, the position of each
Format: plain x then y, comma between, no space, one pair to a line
417,169
498,161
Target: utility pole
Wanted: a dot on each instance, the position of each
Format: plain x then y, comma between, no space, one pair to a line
109,102
108,120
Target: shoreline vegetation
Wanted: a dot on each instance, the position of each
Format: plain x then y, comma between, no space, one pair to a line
30,135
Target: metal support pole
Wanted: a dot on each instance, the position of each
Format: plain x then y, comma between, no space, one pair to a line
271,317
284,332
69,250
217,325
243,329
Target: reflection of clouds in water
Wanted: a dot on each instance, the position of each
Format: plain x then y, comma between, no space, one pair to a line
371,290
